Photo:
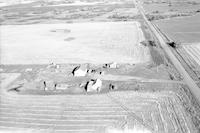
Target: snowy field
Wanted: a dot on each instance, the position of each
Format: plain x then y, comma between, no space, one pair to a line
73,43
58,2
14,2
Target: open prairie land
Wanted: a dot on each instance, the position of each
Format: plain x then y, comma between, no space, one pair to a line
56,12
163,9
171,5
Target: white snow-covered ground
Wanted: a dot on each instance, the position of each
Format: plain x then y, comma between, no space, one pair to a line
96,43
75,3
57,2
14,2
80,3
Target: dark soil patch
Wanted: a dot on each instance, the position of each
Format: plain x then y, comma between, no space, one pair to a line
69,39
